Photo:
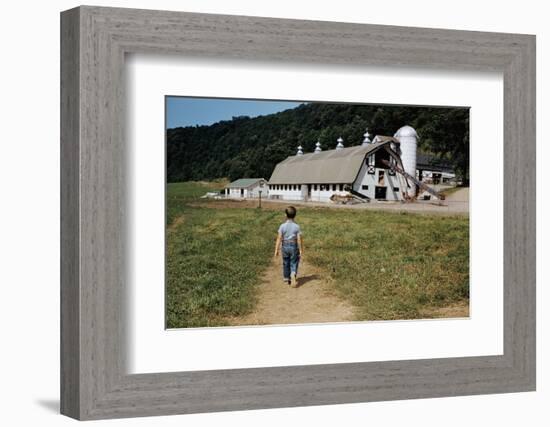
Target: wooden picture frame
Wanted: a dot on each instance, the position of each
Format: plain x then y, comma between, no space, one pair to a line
94,41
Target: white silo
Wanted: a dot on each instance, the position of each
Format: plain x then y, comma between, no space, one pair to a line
408,139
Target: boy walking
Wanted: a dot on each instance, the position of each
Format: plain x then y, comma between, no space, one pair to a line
289,241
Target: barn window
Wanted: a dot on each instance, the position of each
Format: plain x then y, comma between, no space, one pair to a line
396,189
381,177
314,187
341,187
364,187
333,187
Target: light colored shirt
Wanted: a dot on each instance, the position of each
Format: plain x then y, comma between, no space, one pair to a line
289,230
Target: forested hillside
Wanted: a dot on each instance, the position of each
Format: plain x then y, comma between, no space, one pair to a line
251,147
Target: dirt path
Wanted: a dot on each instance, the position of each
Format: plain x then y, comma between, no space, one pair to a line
456,203
311,302
458,310
460,195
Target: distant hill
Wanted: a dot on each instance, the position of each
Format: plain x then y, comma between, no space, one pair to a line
247,147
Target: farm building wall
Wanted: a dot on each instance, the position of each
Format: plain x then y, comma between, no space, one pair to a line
319,192
288,191
254,191
235,193
323,192
250,192
366,183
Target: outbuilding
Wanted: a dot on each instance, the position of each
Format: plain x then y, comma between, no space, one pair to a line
433,170
246,188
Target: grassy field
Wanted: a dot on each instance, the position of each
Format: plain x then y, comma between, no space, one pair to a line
391,265
214,258
388,265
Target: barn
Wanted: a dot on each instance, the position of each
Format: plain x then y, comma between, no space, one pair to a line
381,169
432,170
246,188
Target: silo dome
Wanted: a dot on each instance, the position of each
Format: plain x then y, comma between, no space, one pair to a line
408,139
406,131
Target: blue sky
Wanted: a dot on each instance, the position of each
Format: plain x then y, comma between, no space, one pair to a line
182,111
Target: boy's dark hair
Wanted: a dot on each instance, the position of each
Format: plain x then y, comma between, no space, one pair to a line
290,212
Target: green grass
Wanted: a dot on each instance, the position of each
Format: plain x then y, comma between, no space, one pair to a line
391,265
388,265
214,259
179,194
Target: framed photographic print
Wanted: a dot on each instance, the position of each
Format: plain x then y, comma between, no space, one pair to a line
235,187
290,168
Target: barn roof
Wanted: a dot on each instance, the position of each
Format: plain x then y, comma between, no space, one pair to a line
326,167
244,182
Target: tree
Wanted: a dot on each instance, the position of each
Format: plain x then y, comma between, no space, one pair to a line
251,147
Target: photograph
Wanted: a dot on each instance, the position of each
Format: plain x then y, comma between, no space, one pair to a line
295,212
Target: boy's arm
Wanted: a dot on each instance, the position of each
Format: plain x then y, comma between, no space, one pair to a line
277,244
301,245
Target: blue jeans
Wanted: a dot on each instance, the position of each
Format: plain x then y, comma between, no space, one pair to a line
291,259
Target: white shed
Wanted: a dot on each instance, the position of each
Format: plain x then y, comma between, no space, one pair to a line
246,188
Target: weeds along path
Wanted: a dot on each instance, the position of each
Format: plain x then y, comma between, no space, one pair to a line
311,302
